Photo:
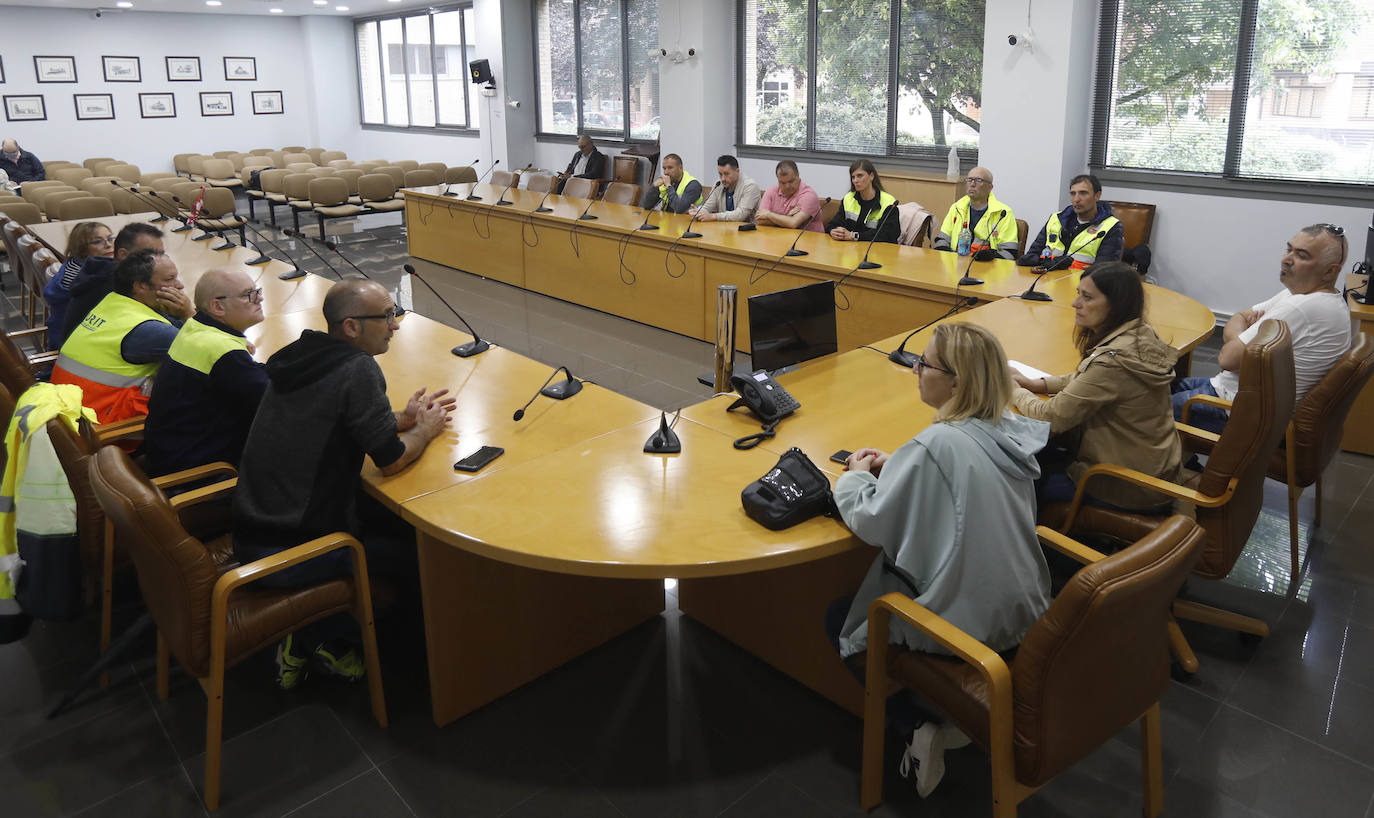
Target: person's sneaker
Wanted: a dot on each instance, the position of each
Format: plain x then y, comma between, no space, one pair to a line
291,669
925,758
952,738
338,661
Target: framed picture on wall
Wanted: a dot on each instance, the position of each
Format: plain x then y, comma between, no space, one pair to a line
240,68
216,103
55,69
94,106
267,102
157,106
183,69
121,69
26,108
2,69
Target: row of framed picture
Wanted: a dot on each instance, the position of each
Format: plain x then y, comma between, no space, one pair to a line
129,69
31,107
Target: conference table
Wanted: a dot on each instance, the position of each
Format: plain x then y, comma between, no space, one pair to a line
565,541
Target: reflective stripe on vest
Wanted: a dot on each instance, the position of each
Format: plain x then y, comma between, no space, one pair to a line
1083,254
851,208
199,346
93,350
687,178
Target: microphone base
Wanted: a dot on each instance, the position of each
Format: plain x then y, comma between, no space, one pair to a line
690,235
648,227
663,441
474,347
291,275
159,220
902,357
868,265
261,259
562,390
1035,295
543,210
793,253
587,218
184,228
970,281
472,198
503,203
228,245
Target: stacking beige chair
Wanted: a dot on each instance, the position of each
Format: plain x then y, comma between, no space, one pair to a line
220,173
260,152
181,163
341,164
397,174
330,200
237,160
315,154
421,178
458,176
127,173
166,183
102,168
218,214
319,171
439,168
367,167
326,157
196,164
223,154
49,168
351,177
86,206
124,201
378,193
539,182
32,190
407,164
294,149
70,176
296,186
299,167
95,160
48,201
273,192
22,212
293,157
278,158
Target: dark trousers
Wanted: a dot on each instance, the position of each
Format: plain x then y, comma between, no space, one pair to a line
904,711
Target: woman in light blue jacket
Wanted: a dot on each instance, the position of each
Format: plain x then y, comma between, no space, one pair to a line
953,512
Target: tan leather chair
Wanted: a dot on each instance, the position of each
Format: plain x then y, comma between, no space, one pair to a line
278,158
181,163
90,163
539,182
1137,221
212,619
47,200
297,157
219,214
351,177
21,211
341,164
459,176
315,155
294,149
149,178
296,187
421,178
1097,661
318,171
31,191
299,167
123,172
505,178
439,168
57,164
1229,493
237,159
330,199
326,157
378,193
397,174
223,154
407,164
273,191
622,193
196,165
260,152
71,176
579,188
1022,233
96,181
87,206
368,167
220,173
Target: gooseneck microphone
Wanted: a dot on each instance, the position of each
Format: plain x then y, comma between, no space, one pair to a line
447,185
793,252
688,234
471,348
873,265
541,208
182,212
501,200
586,217
1063,262
908,359
156,205
263,258
558,391
649,211
296,234
967,280
472,194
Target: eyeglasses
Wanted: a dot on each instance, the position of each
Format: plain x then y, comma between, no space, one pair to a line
922,365
389,315
978,180
106,240
253,296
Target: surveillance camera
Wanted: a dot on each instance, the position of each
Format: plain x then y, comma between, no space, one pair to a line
515,103
97,14
691,52
1020,39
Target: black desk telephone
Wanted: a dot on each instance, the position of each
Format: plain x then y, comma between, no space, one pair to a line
763,396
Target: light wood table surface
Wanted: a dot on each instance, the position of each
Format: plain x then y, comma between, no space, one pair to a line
1359,425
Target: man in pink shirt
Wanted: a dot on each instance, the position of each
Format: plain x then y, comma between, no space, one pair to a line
791,203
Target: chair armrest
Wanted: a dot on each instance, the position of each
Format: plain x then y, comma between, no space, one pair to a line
1210,400
27,333
204,494
37,361
120,429
1192,435
181,478
1068,546
1165,487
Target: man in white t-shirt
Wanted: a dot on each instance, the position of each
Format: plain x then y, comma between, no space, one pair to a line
1312,306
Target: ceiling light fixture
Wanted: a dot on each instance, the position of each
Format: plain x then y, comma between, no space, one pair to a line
124,4
274,11
341,8
321,2
213,3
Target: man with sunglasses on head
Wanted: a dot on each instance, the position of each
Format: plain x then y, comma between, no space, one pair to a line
208,389
1312,306
300,478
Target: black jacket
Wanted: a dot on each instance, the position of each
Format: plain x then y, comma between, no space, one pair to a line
26,169
92,285
596,165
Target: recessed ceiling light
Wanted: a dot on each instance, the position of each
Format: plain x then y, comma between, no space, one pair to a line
341,8
124,4
212,3
275,11
321,2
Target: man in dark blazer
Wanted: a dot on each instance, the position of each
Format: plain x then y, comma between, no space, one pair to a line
587,163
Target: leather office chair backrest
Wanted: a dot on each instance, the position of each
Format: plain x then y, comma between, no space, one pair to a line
625,169
272,180
222,154
341,164
278,158
321,171
180,162
828,211
15,374
1137,221
219,203
1099,657
1022,233
539,182
294,149
458,176
175,571
47,200
368,167
96,181
580,188
196,163
88,206
1259,415
260,152
1319,419
622,193
33,192
20,211
421,178
502,178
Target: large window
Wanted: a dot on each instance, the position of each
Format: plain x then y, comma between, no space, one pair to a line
594,71
412,69
1238,89
886,77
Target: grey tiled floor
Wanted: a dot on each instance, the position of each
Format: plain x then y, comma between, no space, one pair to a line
671,720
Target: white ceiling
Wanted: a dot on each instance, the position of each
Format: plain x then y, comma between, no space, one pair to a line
289,8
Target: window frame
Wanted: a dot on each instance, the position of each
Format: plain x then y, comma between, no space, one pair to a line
1229,182
924,159
624,137
383,70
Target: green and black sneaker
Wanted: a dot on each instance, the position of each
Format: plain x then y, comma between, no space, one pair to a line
340,660
291,669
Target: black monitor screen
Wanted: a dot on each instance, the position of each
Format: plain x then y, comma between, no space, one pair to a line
791,326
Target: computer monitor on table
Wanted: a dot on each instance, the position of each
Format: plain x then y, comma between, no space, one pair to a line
791,326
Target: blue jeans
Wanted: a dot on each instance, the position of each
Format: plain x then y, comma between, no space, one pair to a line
1211,418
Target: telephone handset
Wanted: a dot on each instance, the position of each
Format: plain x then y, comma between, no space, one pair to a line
763,396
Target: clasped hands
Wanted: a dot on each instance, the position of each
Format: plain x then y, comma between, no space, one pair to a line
429,411
867,459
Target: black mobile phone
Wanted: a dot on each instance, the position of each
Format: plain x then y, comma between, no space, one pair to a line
479,459
841,457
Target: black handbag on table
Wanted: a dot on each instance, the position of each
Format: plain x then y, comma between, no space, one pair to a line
791,492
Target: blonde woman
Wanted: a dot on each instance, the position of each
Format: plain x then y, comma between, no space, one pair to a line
87,239
953,512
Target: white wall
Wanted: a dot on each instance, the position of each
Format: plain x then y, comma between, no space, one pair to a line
149,143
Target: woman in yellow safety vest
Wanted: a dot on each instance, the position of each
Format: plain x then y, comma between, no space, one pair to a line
866,213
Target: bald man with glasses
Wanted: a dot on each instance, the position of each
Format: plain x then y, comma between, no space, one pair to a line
989,224
208,388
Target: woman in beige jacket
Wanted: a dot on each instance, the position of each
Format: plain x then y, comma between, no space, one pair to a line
1117,399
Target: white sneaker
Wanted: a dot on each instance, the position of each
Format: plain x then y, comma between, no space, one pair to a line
924,756
953,738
